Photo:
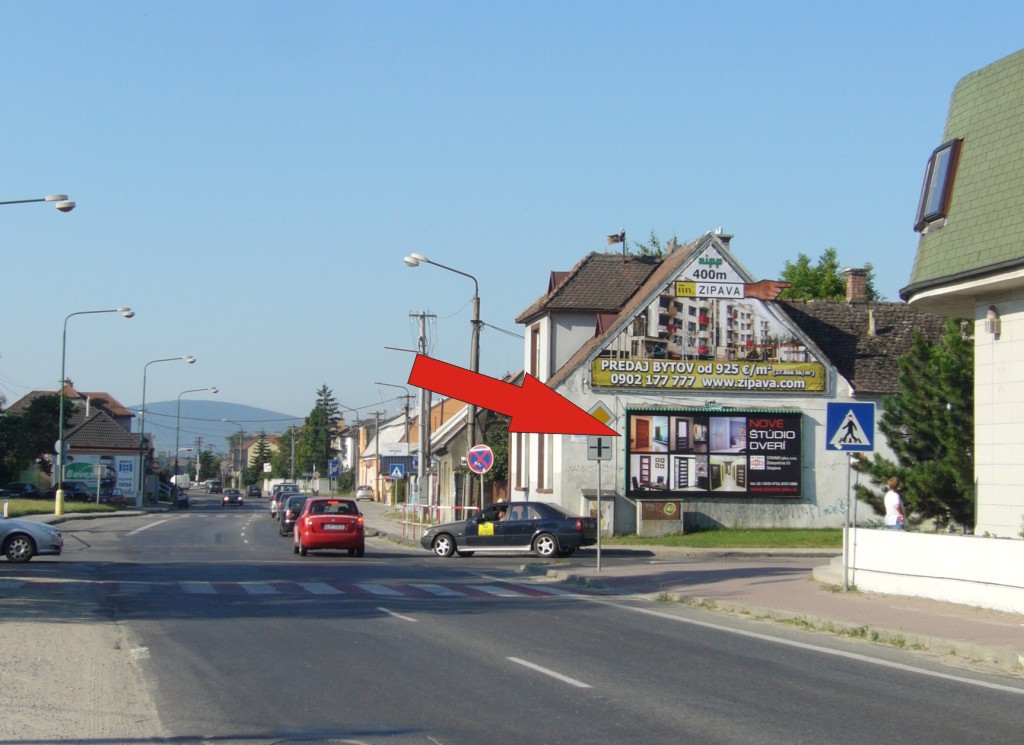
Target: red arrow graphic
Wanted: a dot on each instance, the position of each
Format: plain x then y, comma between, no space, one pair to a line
534,407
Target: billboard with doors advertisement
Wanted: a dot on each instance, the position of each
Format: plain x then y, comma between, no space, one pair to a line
706,453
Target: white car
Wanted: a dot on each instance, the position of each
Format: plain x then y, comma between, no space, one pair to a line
20,540
364,493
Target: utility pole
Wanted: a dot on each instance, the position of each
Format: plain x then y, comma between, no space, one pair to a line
424,433
376,449
199,452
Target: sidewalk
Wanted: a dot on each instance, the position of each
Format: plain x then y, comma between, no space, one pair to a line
802,587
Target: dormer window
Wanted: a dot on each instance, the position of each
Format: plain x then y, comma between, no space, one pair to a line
937,189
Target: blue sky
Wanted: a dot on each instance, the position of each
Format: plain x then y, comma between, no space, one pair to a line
249,175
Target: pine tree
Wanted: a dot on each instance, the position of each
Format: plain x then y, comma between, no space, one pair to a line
261,454
929,425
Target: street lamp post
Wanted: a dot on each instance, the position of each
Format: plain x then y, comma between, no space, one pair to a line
140,496
177,424
241,438
60,201
414,260
58,508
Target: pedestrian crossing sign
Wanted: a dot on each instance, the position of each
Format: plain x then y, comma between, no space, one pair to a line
397,471
850,427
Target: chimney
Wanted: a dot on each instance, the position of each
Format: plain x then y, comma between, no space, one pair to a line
88,407
724,237
856,285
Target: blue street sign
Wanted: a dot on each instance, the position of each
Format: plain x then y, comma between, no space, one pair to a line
850,427
333,469
397,472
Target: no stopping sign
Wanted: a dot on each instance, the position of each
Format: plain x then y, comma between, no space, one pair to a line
480,459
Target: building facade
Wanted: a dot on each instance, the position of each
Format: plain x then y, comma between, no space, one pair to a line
720,394
970,264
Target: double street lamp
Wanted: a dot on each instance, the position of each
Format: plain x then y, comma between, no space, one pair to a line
177,424
139,497
414,260
58,508
60,201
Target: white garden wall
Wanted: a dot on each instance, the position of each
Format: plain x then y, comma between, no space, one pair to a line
971,570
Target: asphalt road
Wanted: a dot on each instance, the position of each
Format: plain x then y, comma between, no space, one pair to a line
242,641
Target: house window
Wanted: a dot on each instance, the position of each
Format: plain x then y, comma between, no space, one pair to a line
937,189
535,351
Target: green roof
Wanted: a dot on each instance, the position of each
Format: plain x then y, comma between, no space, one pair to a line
985,220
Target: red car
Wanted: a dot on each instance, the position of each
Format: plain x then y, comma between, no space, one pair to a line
327,523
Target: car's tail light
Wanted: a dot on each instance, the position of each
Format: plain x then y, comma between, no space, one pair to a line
579,525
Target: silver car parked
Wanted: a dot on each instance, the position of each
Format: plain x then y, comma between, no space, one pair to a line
20,540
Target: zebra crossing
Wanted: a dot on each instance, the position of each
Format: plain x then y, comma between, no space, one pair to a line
338,589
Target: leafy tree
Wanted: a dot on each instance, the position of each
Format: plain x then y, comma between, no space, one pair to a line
209,465
822,281
497,438
653,247
281,460
929,425
28,437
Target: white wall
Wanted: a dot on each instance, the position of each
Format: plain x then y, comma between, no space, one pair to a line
970,570
999,420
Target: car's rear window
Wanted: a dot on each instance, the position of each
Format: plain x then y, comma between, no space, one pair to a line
333,507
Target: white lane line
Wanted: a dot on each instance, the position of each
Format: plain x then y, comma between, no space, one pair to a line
397,615
380,590
134,587
198,588
501,592
439,590
551,673
320,588
259,588
145,527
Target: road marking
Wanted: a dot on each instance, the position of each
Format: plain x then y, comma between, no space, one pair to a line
501,592
380,590
259,588
320,588
198,588
551,673
555,591
133,587
438,590
145,527
396,615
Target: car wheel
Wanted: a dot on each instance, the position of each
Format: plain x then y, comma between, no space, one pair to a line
545,546
19,548
361,551
302,549
444,545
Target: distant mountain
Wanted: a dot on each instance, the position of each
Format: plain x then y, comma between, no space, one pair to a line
203,418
